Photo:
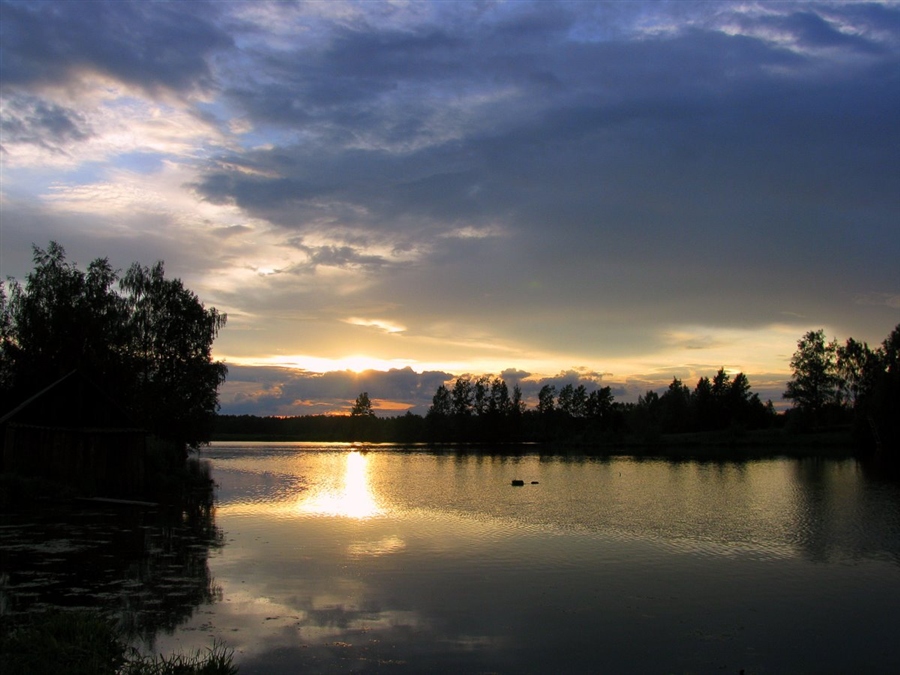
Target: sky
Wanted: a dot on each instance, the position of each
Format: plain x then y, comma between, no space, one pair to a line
385,195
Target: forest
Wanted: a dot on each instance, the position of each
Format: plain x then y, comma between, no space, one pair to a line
485,410
847,392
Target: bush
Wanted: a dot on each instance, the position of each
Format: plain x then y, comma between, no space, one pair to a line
61,642
87,643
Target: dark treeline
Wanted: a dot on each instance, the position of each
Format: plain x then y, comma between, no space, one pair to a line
714,405
408,428
835,389
486,410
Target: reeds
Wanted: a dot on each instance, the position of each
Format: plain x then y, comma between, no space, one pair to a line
215,660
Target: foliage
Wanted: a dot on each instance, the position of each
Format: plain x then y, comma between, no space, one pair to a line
407,428
362,407
62,642
171,335
148,342
484,410
815,387
833,382
714,405
874,378
87,643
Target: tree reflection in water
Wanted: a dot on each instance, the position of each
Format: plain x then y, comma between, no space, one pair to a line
146,567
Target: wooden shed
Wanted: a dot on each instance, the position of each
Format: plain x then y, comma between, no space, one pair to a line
74,433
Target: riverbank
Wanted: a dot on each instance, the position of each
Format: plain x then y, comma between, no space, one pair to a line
83,642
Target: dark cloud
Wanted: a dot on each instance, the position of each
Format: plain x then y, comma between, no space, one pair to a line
287,391
148,45
662,162
337,256
31,120
543,178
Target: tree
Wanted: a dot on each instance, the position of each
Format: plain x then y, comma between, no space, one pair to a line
703,404
854,364
646,415
877,387
172,335
546,396
566,400
461,397
815,385
362,407
499,403
438,416
62,319
676,407
440,403
599,405
149,343
518,404
481,395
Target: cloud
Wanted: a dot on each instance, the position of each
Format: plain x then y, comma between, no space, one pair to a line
31,120
528,186
285,391
379,324
150,47
338,256
664,149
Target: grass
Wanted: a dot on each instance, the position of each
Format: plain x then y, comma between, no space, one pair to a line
87,643
215,660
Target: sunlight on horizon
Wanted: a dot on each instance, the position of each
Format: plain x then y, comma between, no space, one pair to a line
686,349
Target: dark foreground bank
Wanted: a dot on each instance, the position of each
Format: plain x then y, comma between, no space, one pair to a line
87,643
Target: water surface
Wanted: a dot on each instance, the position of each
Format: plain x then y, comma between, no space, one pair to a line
342,560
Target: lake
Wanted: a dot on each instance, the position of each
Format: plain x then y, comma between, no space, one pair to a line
338,559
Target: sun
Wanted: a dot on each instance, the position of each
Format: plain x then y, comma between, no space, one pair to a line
359,363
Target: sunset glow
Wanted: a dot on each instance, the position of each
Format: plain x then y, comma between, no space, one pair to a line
383,196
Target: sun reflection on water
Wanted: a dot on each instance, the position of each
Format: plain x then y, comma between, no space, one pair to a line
348,494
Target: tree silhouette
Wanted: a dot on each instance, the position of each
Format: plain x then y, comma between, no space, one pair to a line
362,407
815,385
149,343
